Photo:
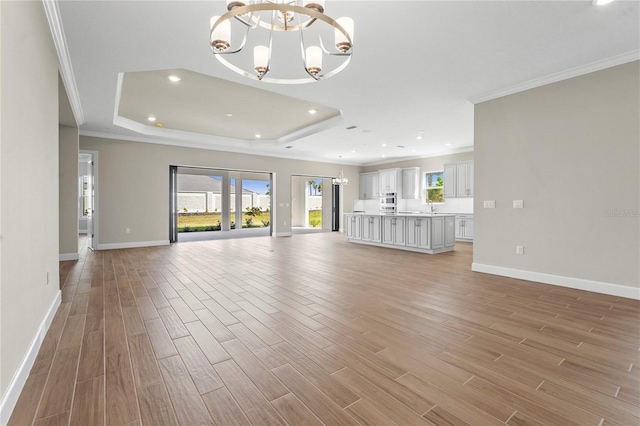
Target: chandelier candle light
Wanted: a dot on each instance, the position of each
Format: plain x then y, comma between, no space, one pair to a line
259,20
340,180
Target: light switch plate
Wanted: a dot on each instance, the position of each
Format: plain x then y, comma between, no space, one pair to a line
518,204
489,204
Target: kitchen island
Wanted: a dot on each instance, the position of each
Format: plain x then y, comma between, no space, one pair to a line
414,231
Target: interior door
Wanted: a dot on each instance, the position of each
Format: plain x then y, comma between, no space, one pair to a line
92,203
335,206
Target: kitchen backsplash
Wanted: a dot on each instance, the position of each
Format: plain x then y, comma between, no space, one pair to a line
452,205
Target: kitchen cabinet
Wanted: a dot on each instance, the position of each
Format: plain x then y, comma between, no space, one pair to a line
430,233
449,232
390,181
464,227
393,230
437,232
369,183
458,180
418,232
411,183
354,226
371,228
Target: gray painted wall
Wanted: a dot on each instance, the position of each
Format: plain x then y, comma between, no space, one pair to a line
68,184
28,180
570,150
133,184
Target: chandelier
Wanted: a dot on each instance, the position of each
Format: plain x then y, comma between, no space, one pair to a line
259,25
340,180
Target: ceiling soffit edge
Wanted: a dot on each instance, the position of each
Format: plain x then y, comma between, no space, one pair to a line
201,144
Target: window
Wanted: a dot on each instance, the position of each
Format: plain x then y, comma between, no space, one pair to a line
434,182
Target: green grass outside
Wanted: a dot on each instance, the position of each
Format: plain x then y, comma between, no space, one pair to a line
211,221
315,218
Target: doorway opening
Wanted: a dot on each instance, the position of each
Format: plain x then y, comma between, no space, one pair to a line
87,194
210,204
312,205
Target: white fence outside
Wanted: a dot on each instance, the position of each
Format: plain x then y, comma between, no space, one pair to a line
203,201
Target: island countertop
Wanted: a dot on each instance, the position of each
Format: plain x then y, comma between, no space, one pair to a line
404,213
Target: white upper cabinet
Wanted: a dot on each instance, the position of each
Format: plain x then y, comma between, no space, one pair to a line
391,181
411,183
450,181
458,180
369,185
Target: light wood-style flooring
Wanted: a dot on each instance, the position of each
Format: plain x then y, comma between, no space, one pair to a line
312,330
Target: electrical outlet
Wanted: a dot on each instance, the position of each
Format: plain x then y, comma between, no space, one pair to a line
490,204
127,230
519,249
518,204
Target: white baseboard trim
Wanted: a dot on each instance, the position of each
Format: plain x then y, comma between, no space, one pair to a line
10,399
69,256
282,234
559,280
135,244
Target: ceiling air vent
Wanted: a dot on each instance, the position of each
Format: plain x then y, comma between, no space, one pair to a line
400,146
350,127
289,147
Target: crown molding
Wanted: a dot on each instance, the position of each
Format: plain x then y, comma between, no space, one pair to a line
563,75
435,154
66,70
206,144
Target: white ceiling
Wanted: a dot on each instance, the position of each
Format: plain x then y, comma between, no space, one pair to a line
416,66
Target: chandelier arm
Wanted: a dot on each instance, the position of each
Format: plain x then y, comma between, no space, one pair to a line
283,8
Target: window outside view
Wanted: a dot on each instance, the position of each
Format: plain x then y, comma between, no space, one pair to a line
314,188
200,203
434,182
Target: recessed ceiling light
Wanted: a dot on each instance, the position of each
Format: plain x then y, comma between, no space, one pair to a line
601,2
413,150
448,144
383,155
159,124
419,137
312,111
229,114
258,135
384,144
174,78
151,119
353,151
